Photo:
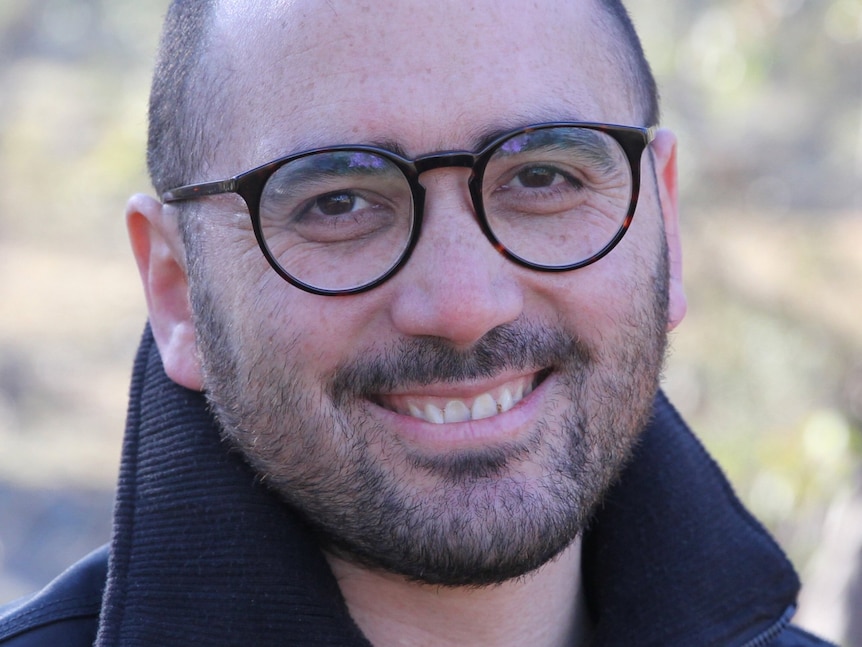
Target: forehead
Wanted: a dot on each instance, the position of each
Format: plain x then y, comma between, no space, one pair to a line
427,76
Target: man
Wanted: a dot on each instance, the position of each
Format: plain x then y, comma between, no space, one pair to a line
400,380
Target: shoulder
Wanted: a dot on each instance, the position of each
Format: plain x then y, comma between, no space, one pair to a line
63,614
796,637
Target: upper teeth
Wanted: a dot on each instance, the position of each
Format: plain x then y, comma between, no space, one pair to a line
456,410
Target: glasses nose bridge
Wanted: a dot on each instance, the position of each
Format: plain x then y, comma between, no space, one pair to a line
445,159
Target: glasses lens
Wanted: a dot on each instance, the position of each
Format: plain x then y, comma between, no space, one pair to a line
557,196
337,220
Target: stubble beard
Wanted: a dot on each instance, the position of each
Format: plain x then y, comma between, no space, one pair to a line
484,520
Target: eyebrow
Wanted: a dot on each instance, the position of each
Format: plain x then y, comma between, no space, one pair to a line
316,168
490,134
546,115
587,140
480,139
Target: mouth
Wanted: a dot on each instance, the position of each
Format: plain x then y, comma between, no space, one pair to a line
454,404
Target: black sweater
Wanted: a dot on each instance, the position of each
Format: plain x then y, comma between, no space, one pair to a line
203,554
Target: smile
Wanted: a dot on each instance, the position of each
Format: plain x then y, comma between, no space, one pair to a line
443,409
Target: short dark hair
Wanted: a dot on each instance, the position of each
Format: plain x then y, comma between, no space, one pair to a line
177,143
180,139
634,64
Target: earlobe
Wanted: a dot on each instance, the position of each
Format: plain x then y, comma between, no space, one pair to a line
664,151
160,255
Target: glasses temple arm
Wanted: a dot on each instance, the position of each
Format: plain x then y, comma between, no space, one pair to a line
192,191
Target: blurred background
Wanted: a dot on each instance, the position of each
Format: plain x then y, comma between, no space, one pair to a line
766,97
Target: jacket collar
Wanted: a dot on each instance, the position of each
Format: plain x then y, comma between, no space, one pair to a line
673,558
202,553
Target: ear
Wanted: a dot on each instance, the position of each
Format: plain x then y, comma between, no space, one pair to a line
160,254
664,159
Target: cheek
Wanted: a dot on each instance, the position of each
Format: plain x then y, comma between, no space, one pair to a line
262,306
590,301
309,335
606,303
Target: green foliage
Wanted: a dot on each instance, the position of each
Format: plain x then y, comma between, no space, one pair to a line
766,96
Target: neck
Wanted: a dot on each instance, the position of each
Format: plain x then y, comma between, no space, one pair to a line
543,609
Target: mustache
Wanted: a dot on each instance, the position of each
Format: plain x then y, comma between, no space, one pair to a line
420,361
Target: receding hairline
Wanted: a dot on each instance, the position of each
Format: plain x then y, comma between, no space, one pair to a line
631,61
185,113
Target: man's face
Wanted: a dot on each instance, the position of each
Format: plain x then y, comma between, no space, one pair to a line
337,400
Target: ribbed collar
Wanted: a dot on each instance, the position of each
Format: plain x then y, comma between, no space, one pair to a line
202,553
673,558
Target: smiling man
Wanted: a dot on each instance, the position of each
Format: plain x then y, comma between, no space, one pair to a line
409,279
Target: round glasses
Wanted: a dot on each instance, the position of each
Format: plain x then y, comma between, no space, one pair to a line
343,219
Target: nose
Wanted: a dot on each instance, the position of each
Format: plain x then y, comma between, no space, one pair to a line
456,286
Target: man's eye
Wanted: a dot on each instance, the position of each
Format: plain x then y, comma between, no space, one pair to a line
537,177
337,203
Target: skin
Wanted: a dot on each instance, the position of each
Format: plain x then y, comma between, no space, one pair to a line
225,318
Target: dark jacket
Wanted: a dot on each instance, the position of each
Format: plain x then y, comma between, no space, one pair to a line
203,554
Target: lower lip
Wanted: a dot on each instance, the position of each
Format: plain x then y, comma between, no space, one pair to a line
510,426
